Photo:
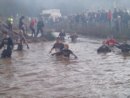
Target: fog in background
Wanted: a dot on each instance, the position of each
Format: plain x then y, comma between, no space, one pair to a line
34,7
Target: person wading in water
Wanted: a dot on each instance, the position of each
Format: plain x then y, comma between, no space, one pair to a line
7,44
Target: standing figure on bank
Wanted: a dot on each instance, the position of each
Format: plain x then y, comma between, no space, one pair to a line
32,27
22,24
62,35
7,45
10,22
40,27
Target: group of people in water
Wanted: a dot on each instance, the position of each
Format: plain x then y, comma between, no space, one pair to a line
61,49
73,36
12,37
108,45
8,44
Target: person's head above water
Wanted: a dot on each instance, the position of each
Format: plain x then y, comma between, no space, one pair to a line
66,46
58,40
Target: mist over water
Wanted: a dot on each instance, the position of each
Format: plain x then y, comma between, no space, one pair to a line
32,7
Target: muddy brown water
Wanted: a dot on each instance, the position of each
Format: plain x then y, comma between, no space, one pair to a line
35,74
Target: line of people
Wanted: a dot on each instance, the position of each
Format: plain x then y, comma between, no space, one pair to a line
108,45
35,25
61,49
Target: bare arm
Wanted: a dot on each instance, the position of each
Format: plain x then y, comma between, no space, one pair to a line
52,48
74,55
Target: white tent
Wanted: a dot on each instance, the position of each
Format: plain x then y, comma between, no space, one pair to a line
53,13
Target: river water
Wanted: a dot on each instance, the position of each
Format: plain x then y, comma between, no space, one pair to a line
35,73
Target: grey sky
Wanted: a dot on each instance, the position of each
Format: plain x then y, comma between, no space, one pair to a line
66,6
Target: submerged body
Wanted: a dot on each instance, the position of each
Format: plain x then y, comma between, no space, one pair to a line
74,37
58,46
62,35
104,49
125,48
66,52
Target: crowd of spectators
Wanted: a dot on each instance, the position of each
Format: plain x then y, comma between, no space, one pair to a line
116,18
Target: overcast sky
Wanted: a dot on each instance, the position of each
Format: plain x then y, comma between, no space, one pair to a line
76,3
66,6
